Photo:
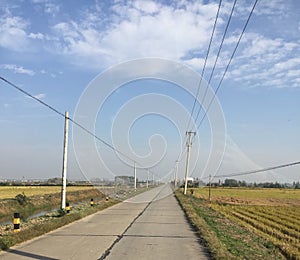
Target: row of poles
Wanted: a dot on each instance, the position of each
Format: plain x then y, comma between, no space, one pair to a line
135,178
65,206
64,167
190,135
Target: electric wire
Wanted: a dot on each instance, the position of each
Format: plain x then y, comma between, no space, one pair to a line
202,73
33,97
70,119
226,69
230,60
216,59
205,62
256,171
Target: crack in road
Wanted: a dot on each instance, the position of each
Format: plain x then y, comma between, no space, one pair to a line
107,251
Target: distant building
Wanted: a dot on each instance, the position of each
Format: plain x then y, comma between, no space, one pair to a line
124,180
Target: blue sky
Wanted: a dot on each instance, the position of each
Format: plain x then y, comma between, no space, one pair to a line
54,49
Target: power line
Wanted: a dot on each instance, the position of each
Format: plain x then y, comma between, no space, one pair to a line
202,73
33,97
63,115
226,69
259,170
230,60
205,61
217,58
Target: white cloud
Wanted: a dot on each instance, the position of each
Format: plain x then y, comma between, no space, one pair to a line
40,96
180,32
17,69
15,34
286,65
262,45
149,7
39,1
12,33
117,31
266,62
140,29
38,36
293,73
51,8
274,7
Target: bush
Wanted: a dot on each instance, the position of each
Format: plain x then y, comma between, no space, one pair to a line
22,199
61,212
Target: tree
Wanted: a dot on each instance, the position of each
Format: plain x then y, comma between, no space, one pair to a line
230,183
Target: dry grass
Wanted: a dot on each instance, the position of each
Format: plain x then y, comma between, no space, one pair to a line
9,192
249,196
230,238
44,201
209,238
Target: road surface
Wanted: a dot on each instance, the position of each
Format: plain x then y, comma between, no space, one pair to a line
149,226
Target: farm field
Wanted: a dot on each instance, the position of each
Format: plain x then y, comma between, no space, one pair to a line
249,196
9,192
272,214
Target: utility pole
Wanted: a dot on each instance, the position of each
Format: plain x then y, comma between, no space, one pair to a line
134,175
65,157
209,187
153,179
147,178
188,144
176,173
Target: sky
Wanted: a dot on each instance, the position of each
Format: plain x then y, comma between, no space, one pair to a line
129,72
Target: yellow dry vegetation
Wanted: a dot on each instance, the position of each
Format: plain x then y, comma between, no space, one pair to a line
8,192
251,196
273,214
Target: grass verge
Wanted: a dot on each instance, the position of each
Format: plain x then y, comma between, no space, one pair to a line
224,238
44,202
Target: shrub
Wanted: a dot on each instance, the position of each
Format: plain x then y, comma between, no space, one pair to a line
22,199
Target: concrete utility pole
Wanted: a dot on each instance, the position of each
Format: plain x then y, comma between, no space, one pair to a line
147,178
134,175
176,173
188,144
209,187
65,157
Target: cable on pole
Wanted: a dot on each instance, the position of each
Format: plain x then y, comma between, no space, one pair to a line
203,70
70,119
259,170
214,66
217,58
226,69
33,97
205,62
230,60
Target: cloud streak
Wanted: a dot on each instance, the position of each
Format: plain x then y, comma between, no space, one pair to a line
17,69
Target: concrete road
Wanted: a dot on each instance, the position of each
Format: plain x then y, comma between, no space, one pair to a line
148,226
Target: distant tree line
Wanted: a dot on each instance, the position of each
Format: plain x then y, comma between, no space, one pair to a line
237,183
48,182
